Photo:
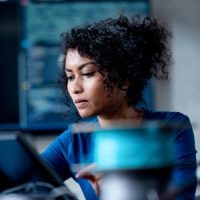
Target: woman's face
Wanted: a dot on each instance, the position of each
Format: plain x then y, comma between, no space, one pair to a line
87,89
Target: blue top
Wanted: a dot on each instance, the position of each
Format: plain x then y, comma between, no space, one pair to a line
70,148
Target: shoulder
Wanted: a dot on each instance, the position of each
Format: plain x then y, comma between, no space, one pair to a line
180,126
77,139
76,128
167,117
178,122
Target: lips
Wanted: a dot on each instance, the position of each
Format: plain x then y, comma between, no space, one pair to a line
81,103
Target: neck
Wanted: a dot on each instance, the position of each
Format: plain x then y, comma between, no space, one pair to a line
122,116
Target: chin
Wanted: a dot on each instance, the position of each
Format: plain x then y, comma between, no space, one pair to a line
83,115
86,114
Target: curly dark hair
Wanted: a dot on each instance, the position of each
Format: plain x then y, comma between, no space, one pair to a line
132,50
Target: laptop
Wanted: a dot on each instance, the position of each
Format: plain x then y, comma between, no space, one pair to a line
20,164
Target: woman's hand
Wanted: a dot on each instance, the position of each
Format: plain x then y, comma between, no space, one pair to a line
94,178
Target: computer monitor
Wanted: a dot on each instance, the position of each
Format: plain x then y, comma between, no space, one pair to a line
20,163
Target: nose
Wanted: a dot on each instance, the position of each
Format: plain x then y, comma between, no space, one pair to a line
76,86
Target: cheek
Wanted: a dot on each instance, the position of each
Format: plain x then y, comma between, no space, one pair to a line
97,89
100,97
68,89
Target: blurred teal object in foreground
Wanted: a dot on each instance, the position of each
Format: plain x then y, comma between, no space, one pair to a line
149,146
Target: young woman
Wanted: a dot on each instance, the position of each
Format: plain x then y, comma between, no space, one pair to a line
106,66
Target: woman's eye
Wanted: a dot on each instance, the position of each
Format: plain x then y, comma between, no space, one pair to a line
88,74
70,78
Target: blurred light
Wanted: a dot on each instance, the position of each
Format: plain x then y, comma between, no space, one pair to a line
24,2
25,43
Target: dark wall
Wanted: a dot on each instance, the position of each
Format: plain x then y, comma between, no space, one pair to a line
9,44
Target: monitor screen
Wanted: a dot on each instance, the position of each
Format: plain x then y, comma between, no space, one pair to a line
21,164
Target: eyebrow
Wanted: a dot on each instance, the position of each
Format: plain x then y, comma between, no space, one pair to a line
81,66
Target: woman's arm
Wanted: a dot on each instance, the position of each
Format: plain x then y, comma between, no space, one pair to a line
56,156
185,158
